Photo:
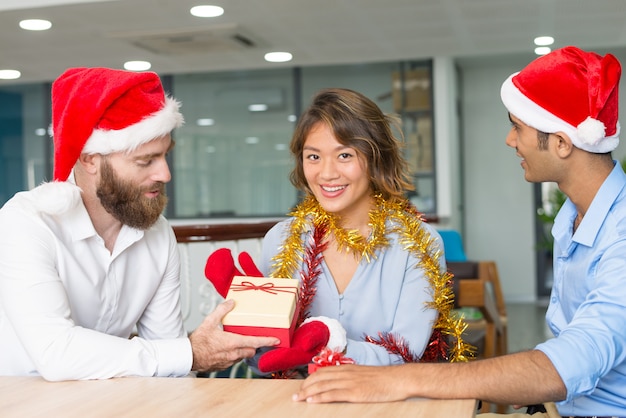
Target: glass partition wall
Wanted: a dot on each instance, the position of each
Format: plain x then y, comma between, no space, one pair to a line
232,158
25,145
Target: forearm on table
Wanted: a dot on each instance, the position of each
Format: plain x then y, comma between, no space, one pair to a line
523,378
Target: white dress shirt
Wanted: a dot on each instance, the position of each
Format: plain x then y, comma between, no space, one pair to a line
68,306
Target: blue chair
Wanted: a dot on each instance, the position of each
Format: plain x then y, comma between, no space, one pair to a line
452,245
477,289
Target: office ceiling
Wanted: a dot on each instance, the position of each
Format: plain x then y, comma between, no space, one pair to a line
110,32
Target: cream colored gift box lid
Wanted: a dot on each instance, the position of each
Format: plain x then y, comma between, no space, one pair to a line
262,302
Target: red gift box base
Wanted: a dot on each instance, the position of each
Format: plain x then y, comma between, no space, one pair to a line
283,334
312,367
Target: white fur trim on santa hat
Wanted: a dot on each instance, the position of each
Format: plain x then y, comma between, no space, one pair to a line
152,127
588,136
591,131
338,340
56,197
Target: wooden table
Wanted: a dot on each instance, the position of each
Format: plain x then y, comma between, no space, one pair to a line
191,397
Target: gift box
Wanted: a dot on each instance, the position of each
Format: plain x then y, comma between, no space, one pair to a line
263,307
312,367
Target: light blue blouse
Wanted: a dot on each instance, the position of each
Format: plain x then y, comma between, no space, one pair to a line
587,311
388,294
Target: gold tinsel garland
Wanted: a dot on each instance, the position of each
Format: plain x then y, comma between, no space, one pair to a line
407,223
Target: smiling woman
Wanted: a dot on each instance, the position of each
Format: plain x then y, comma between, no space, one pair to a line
355,242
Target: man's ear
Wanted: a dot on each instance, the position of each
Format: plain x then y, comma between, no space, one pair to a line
89,162
564,146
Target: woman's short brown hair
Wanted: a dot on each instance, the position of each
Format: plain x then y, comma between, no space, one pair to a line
357,122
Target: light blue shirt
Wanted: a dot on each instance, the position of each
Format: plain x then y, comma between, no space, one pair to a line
587,311
388,294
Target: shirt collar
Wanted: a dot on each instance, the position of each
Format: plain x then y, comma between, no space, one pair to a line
78,222
591,223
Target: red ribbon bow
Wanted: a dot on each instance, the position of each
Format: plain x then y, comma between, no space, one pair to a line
265,287
328,357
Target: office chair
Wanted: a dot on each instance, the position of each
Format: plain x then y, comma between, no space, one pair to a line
453,245
477,285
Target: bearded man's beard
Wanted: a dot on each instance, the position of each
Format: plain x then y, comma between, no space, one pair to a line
126,202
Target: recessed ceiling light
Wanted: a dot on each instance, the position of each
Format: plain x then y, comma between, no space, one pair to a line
137,65
278,57
206,11
544,40
292,118
9,74
35,24
252,140
542,50
280,147
205,122
41,132
258,107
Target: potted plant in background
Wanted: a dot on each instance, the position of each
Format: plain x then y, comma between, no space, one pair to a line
546,215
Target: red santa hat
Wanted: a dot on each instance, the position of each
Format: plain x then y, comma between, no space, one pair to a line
102,110
572,91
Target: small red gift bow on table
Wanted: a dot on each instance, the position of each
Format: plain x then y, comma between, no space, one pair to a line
328,357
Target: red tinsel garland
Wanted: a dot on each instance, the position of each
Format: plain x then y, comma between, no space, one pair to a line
393,345
436,350
309,275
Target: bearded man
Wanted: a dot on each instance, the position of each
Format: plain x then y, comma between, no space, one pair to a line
88,259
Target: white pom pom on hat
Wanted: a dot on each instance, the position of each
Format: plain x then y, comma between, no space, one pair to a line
338,337
569,90
103,110
56,197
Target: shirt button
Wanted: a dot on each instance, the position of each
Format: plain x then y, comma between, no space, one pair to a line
553,299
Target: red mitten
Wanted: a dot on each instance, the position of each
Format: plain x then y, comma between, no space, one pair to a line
247,265
308,340
220,269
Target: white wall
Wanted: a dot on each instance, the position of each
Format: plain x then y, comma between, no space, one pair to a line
498,203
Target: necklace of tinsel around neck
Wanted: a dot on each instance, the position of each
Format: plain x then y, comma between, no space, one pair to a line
351,240
309,215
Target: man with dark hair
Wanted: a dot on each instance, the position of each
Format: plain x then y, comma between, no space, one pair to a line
572,96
